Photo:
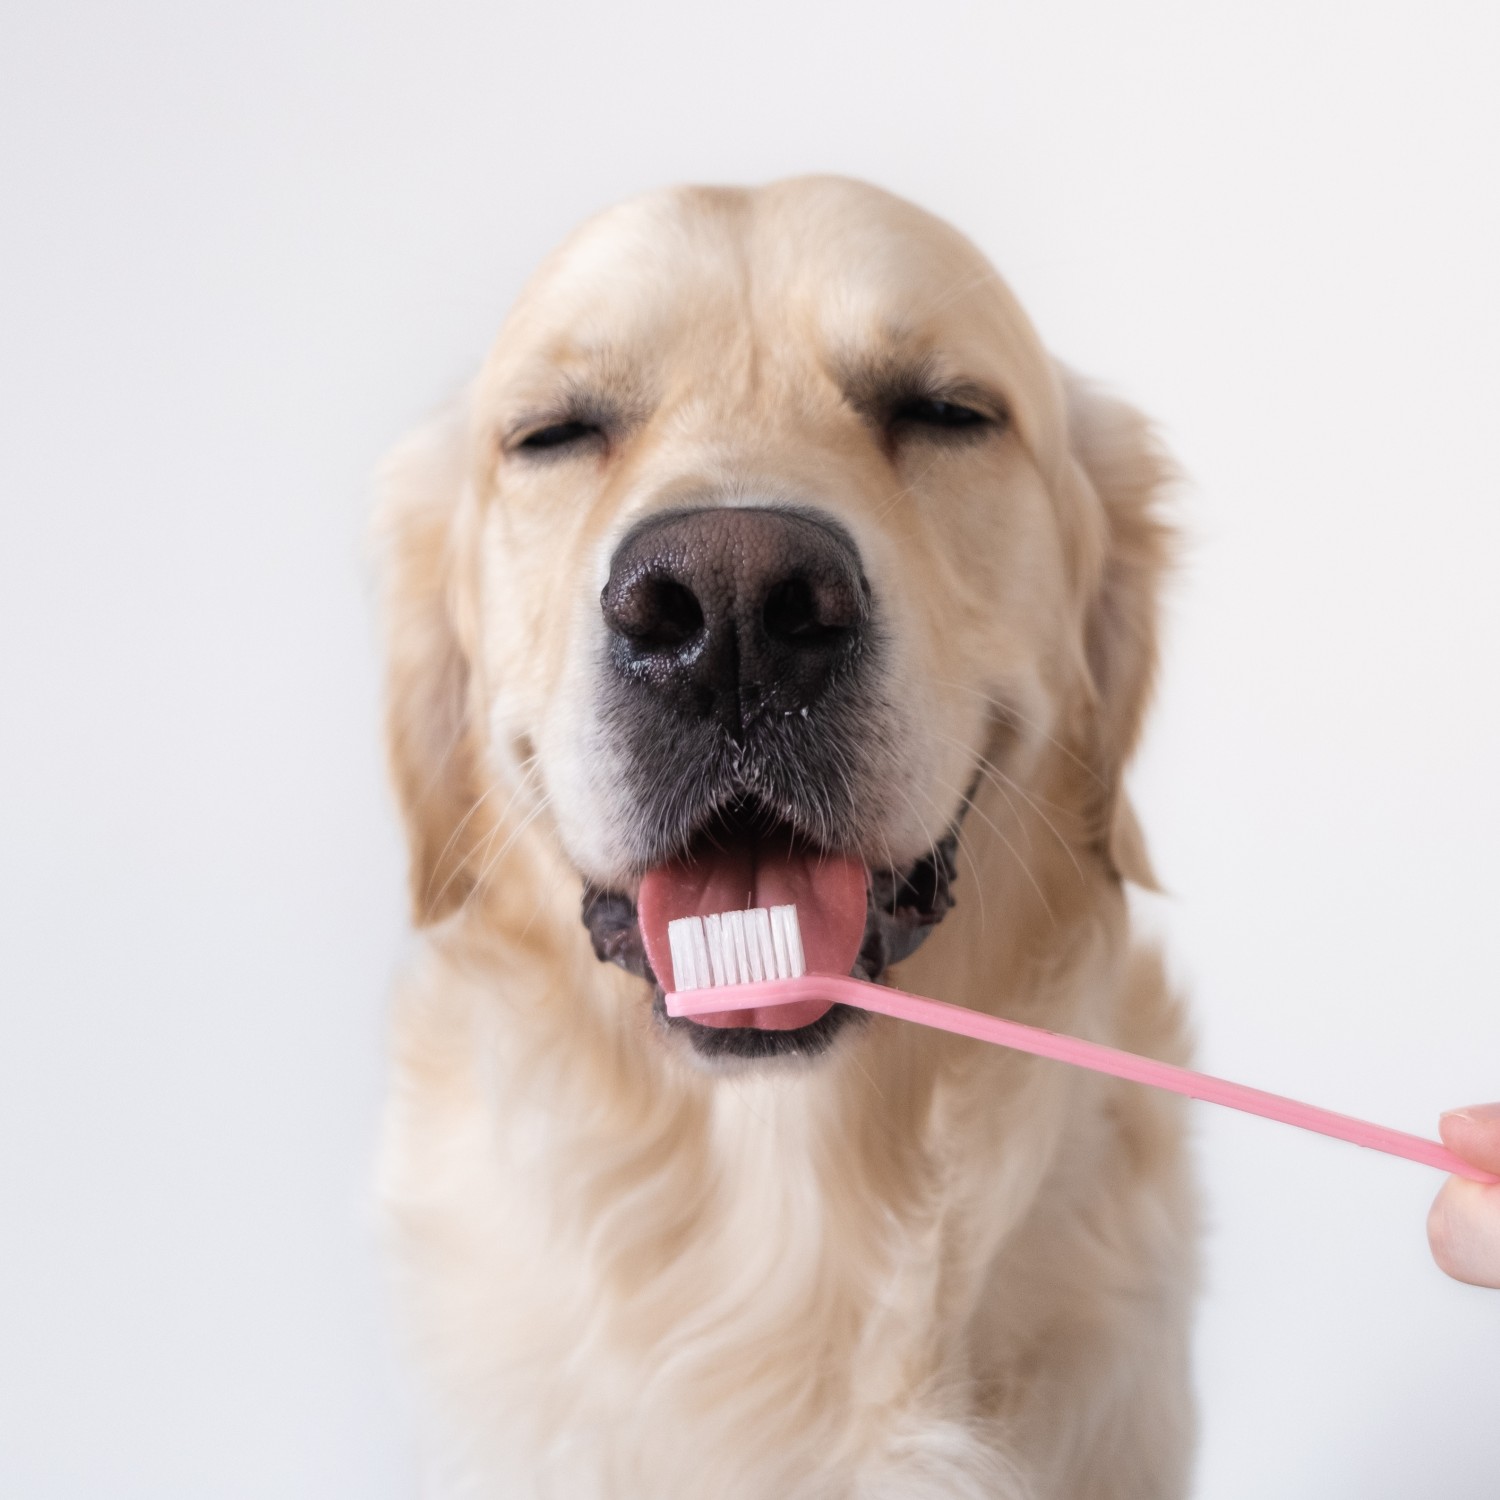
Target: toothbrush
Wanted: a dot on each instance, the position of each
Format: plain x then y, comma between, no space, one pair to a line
739,960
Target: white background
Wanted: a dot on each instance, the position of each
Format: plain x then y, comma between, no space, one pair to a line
245,247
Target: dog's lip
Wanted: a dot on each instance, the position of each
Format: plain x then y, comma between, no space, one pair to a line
746,1043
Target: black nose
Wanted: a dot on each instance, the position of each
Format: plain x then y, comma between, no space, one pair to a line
733,614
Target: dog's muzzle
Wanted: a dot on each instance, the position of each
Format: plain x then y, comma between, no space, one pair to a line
742,695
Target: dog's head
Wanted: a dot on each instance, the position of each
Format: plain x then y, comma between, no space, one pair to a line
766,536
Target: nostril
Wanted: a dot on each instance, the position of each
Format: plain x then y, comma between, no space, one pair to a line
796,613
658,614
790,611
679,616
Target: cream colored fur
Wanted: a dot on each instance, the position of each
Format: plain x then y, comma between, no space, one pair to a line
917,1266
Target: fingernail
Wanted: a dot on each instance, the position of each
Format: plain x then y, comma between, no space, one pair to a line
1475,1114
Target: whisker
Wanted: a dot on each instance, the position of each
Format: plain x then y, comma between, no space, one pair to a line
1009,709
869,1076
559,877
932,849
988,769
517,791
984,919
1015,854
464,821
902,489
493,861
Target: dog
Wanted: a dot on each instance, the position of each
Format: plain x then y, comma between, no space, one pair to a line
767,539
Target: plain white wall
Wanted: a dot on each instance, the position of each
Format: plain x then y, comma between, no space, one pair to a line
246,246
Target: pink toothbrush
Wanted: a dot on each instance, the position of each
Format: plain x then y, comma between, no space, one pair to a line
740,960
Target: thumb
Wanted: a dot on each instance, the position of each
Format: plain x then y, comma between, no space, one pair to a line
1474,1134
1464,1231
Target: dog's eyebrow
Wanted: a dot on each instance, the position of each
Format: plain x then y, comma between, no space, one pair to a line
876,384
601,394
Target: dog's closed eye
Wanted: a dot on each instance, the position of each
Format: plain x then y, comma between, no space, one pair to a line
570,434
934,412
914,402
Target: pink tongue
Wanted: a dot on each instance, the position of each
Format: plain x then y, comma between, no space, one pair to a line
828,891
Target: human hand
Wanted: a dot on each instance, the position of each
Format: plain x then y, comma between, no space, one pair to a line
1464,1225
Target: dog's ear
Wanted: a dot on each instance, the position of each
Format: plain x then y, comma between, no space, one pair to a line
1117,456
432,742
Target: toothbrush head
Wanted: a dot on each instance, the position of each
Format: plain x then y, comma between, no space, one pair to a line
736,947
731,890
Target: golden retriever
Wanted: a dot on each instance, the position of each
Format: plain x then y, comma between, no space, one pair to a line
767,539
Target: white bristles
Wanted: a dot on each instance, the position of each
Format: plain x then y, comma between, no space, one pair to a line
734,925
690,954
795,962
684,972
713,940
735,947
762,950
781,952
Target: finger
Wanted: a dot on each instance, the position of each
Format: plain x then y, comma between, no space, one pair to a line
1474,1134
1464,1231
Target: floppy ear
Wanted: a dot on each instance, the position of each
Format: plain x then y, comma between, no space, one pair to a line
434,751
1120,459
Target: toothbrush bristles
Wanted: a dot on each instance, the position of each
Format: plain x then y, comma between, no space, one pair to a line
735,947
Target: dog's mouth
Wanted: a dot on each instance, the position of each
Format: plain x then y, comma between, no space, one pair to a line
738,862
854,919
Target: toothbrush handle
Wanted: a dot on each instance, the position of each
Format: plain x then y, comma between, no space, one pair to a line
1093,1055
